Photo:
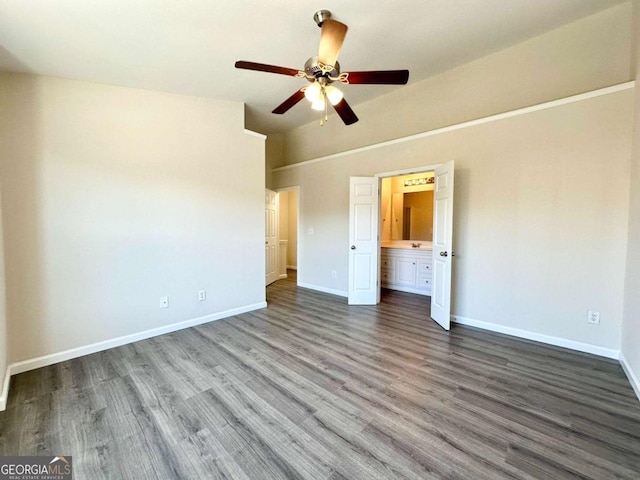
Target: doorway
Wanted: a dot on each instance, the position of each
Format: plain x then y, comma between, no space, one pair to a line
406,233
365,269
288,220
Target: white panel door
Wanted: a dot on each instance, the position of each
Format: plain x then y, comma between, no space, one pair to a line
363,241
271,236
442,244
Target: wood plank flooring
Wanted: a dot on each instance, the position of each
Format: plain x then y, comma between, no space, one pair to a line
312,388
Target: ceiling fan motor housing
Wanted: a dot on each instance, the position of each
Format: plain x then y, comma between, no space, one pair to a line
314,71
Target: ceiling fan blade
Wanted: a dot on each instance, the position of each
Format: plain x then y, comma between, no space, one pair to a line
346,114
289,102
379,77
333,33
262,67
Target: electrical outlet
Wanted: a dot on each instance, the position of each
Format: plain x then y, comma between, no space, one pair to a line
334,274
202,295
310,231
593,317
164,302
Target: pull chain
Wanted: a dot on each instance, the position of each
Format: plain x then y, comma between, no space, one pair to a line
326,116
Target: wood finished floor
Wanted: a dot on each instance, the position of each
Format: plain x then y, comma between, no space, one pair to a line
313,388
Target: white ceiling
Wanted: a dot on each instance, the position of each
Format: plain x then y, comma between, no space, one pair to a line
190,46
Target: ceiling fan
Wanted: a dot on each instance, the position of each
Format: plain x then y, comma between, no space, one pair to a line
323,70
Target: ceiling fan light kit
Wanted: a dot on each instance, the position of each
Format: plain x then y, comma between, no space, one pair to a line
333,95
321,71
313,92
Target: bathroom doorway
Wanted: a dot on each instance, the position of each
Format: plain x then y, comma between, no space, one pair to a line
406,233
365,243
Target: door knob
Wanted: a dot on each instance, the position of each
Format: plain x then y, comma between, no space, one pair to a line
443,254
353,247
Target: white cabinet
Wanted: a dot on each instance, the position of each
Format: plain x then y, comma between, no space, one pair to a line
408,270
405,268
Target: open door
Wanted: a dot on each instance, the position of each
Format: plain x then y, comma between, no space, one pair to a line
442,244
271,236
363,241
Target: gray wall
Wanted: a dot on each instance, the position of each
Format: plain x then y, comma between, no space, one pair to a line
579,57
631,325
539,198
4,346
113,197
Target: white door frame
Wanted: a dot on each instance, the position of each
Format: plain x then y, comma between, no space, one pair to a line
296,188
398,173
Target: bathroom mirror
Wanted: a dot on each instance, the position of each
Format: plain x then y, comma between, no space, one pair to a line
412,216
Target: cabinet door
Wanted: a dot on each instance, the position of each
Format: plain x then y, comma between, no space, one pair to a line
405,271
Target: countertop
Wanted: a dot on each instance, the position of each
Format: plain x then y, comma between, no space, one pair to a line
406,245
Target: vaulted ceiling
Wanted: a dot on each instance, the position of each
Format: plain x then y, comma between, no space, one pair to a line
189,47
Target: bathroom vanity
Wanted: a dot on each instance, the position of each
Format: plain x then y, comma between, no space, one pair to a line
407,266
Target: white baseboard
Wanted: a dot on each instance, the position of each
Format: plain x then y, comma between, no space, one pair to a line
33,363
340,293
292,267
538,337
633,378
282,276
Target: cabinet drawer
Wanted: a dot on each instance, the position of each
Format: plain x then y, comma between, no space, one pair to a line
424,282
386,276
424,267
387,263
